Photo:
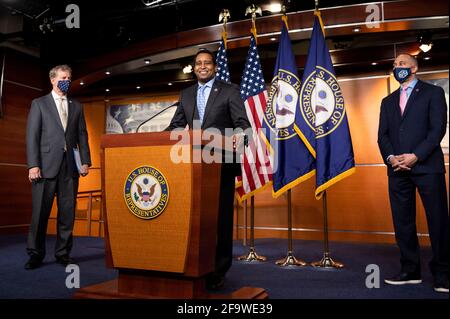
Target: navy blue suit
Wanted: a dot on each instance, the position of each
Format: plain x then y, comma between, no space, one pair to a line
419,130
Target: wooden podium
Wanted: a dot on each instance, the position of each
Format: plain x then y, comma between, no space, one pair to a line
164,252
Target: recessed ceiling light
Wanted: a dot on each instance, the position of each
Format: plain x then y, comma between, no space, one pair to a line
374,63
275,7
147,61
169,84
138,87
356,30
427,58
273,39
107,73
81,83
107,90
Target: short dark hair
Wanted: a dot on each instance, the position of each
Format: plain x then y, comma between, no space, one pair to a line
207,52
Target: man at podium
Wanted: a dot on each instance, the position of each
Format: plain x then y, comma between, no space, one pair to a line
211,103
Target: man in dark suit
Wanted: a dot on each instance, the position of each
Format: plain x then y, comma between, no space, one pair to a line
412,124
56,130
215,104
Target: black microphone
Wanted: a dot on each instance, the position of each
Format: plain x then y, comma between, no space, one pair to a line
155,115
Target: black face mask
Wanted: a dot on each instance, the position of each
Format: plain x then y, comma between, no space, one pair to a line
402,74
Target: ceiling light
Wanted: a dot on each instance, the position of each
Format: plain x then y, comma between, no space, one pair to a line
149,3
374,63
107,73
275,7
424,40
147,61
169,84
425,47
356,30
107,90
427,58
187,69
81,83
138,87
273,39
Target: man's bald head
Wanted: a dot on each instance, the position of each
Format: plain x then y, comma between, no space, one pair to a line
406,60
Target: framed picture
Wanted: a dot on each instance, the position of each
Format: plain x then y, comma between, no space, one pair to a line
147,117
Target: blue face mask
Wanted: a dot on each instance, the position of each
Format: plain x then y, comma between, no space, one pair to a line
402,74
64,85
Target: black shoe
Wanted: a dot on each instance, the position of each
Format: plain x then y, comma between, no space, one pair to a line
64,260
215,282
404,278
441,284
33,263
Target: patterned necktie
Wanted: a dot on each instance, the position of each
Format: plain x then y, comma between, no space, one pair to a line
201,102
63,113
403,99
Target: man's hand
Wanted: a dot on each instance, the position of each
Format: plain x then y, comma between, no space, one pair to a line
84,170
34,174
409,160
238,141
398,164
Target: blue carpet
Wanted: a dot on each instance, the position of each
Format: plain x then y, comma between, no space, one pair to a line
48,281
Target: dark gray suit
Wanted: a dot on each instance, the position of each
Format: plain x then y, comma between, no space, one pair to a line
224,109
46,141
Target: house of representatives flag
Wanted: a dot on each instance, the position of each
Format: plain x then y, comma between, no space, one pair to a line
222,63
255,166
322,112
292,161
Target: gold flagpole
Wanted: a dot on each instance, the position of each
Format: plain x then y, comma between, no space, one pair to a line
245,223
290,259
252,255
326,261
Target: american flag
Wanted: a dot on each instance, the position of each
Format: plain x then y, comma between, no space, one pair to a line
222,63
256,167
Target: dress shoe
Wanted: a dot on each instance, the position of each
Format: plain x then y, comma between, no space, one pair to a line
64,260
441,284
33,263
215,282
404,278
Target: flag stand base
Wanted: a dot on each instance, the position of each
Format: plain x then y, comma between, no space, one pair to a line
252,256
327,262
290,260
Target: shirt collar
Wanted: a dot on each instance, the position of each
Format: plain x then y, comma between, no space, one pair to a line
57,97
411,84
208,84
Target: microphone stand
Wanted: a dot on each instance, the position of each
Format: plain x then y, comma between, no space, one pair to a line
155,115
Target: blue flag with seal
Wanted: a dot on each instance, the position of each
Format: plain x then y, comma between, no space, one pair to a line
292,161
322,112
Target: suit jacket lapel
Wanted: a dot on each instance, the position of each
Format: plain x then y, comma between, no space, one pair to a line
54,110
212,96
190,111
397,104
70,110
411,98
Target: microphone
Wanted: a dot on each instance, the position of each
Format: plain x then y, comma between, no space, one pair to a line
155,115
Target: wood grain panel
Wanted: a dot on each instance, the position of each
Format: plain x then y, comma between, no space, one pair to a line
362,103
159,244
15,196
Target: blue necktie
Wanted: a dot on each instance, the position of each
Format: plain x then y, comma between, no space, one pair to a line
201,102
